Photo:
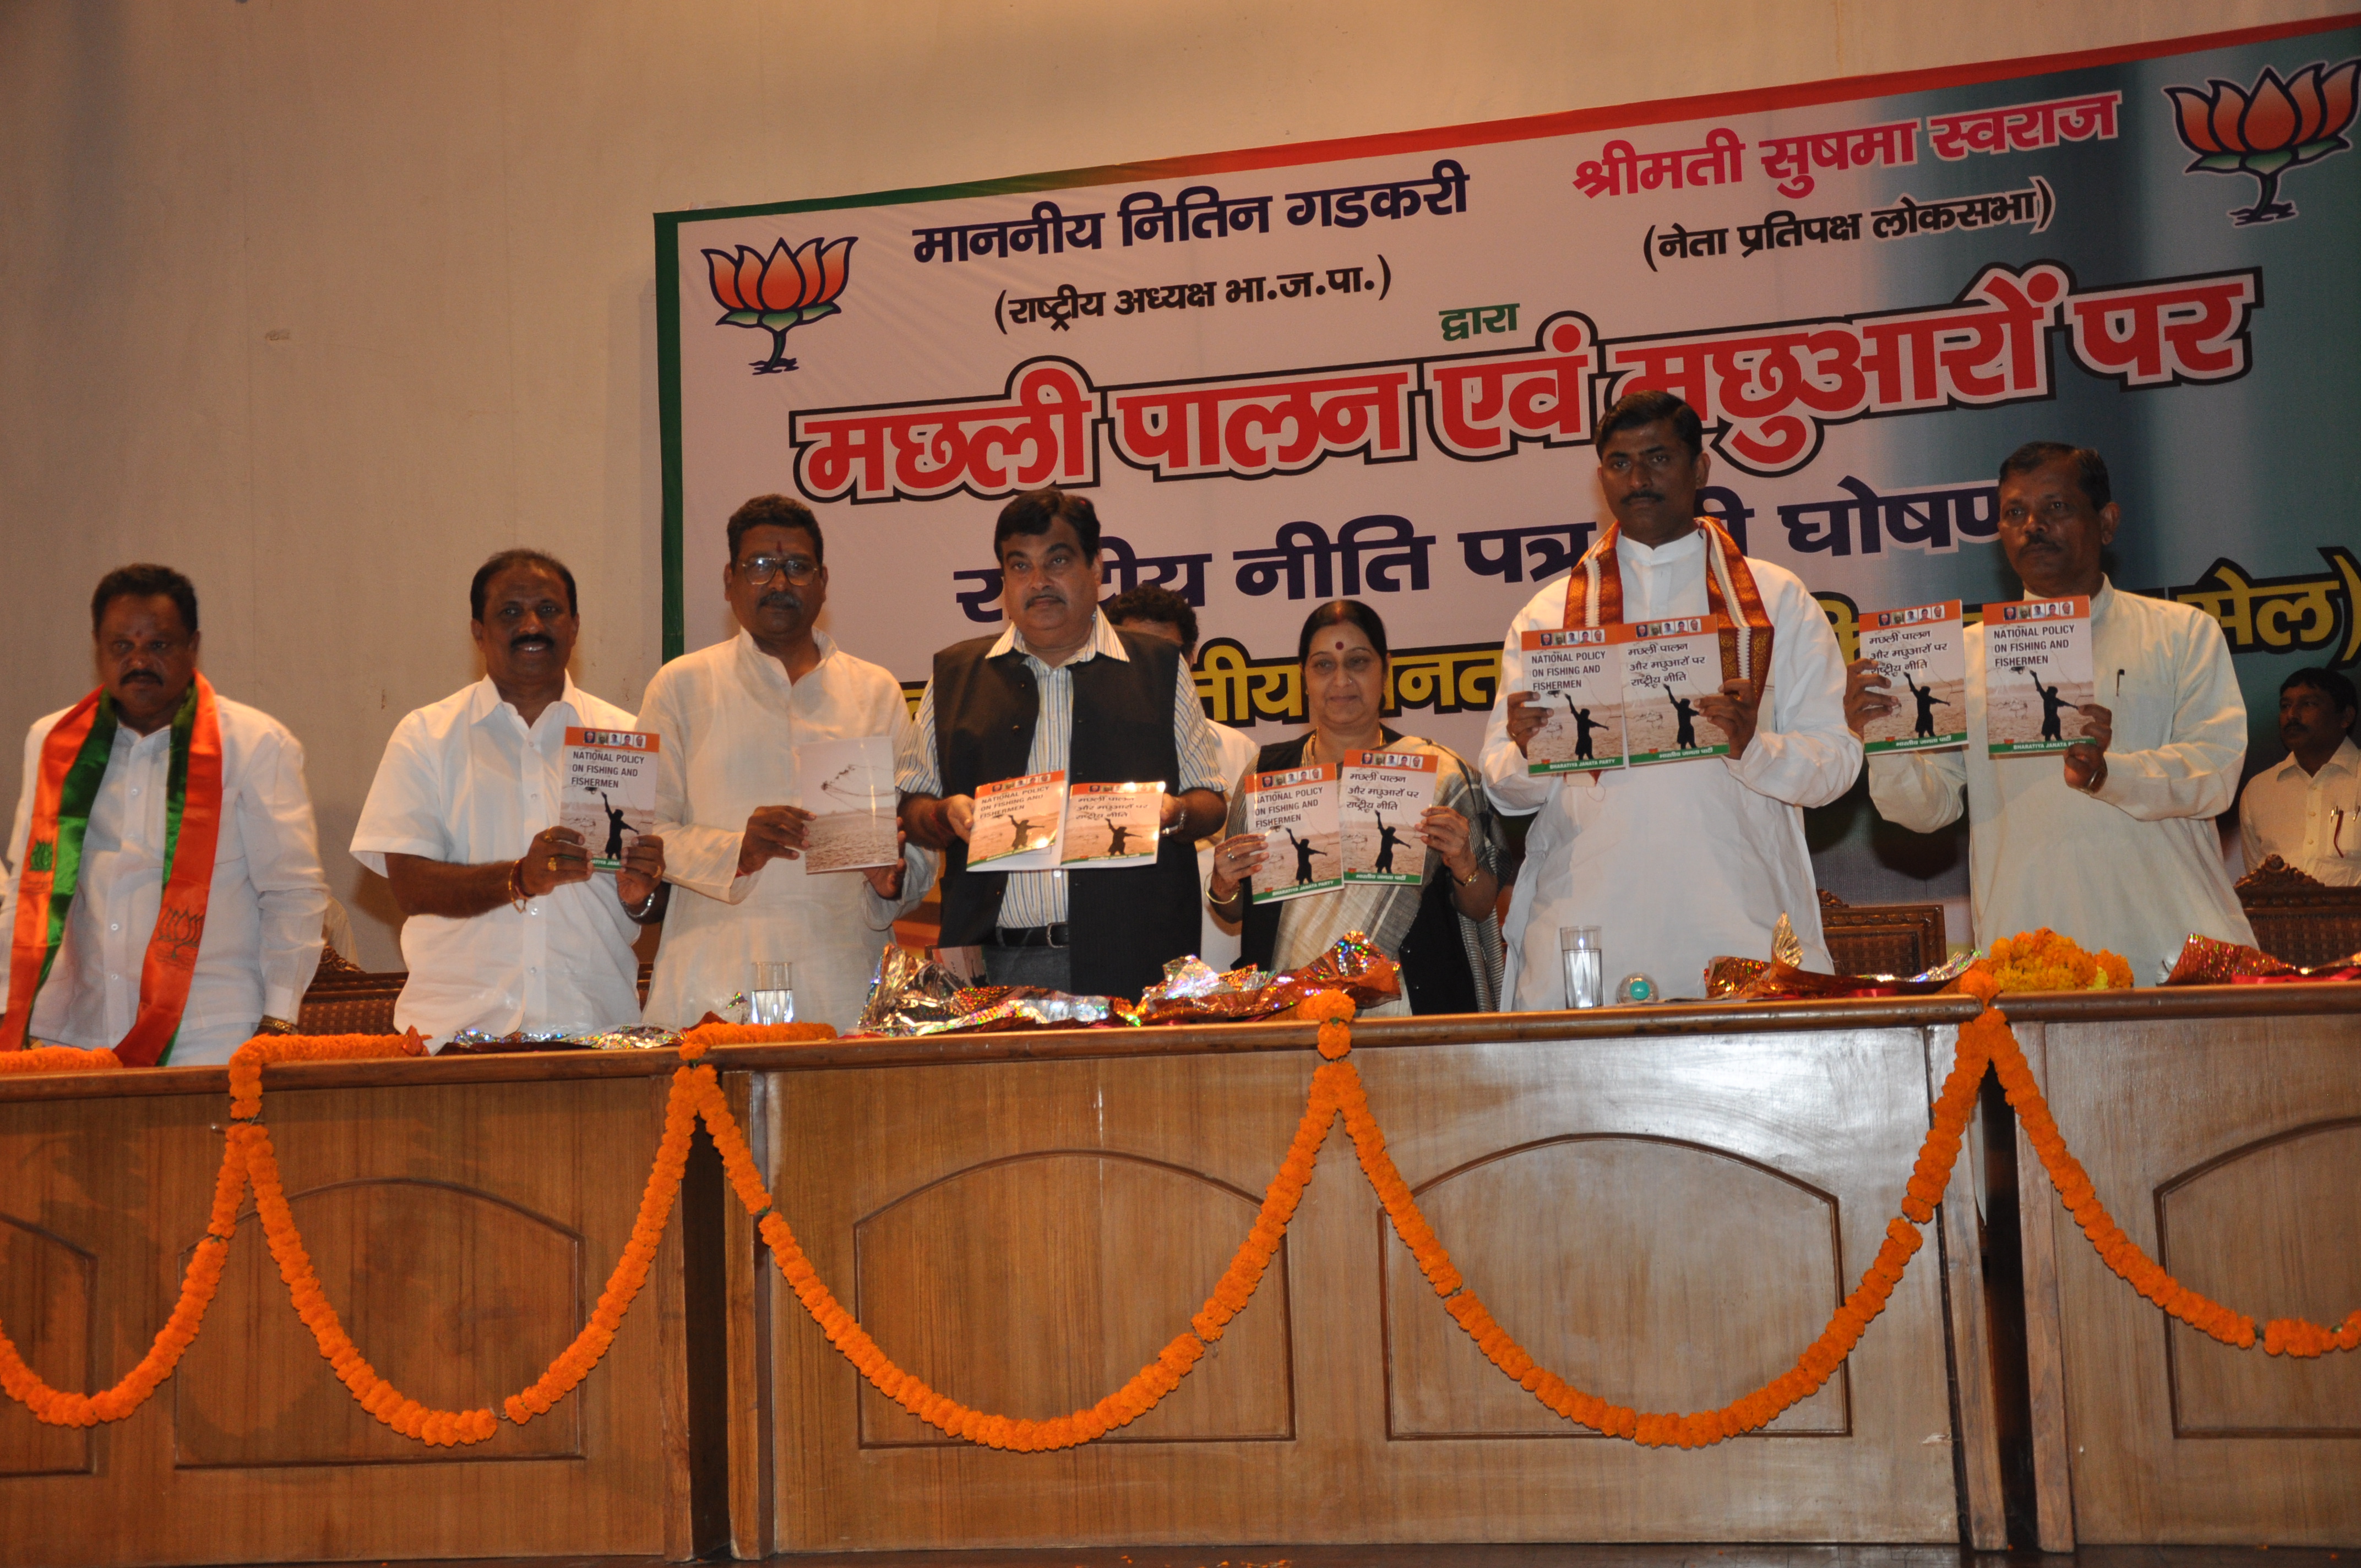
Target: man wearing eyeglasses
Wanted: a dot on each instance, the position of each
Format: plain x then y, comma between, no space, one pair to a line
728,779
1680,862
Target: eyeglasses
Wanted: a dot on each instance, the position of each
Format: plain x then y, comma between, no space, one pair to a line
761,569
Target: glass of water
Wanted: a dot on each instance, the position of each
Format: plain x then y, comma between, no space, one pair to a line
1586,966
771,994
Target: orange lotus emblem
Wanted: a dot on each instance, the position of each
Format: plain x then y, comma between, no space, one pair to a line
778,293
2267,129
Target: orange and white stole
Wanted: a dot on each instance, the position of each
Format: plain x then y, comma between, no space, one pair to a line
1594,597
74,758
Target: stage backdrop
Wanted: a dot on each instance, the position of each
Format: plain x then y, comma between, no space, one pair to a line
1372,369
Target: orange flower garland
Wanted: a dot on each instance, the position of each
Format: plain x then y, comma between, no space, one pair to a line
2040,959
57,1059
2044,960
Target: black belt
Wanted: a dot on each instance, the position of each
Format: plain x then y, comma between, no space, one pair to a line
1029,937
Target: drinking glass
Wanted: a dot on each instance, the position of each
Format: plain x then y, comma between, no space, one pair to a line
771,994
1586,965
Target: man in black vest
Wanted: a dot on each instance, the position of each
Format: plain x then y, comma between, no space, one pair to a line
1062,688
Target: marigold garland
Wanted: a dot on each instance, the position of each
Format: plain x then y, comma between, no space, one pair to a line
57,1059
1336,1091
2044,960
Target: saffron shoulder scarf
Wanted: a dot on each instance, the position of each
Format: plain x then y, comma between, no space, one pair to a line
73,766
1594,597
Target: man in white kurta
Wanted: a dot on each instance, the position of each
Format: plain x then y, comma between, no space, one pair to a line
727,778
2307,810
2115,847
1676,863
508,929
261,937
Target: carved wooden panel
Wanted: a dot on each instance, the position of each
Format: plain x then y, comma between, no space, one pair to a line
457,1297
2245,1227
46,1292
1036,1285
1685,1203
1612,1260
456,1227
2225,1147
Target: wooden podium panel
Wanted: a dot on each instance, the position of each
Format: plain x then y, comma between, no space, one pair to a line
2222,1131
461,1230
1667,1219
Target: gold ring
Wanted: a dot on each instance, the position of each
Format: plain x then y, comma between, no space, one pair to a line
553,863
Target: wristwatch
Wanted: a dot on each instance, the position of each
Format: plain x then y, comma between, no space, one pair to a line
267,1025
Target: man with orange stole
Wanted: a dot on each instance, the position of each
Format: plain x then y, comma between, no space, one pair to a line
165,895
1677,863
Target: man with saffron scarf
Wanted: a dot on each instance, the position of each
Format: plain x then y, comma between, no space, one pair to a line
164,891
1678,862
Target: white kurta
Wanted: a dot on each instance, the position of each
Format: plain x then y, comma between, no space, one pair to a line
2136,867
1678,862
1217,943
464,782
730,721
261,941
2312,821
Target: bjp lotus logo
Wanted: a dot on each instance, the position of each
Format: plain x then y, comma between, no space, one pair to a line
2267,129
778,293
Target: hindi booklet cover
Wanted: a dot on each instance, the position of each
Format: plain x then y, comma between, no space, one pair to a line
1380,795
1666,667
1112,824
1922,655
1296,813
1578,675
2037,672
608,794
1019,823
848,786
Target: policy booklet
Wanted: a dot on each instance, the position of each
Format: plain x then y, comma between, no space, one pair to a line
1380,796
848,786
1667,667
1578,675
1019,823
2037,672
1922,654
609,793
1295,812
1110,825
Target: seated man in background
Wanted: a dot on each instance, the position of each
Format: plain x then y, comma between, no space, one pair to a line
1160,612
166,896
730,784
2114,847
2307,811
508,929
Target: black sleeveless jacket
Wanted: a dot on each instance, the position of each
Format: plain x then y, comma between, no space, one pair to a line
1125,923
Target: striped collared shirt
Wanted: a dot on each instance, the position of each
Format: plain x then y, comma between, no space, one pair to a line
1038,898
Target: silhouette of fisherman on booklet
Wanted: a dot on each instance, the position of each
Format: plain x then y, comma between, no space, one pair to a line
1302,856
1583,726
1388,839
2051,703
614,850
1022,839
1117,832
1928,703
1685,712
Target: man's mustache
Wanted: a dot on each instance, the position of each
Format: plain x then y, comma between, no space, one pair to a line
1641,495
782,601
532,640
1044,596
150,676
